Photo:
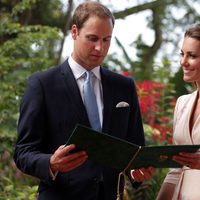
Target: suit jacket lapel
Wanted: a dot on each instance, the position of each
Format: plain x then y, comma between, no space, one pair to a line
73,93
107,100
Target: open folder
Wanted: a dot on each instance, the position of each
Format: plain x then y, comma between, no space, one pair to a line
110,151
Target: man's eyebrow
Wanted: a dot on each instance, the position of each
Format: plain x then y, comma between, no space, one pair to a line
91,35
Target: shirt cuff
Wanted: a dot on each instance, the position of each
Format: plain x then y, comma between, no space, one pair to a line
53,175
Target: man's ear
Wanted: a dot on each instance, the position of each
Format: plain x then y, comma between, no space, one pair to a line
74,31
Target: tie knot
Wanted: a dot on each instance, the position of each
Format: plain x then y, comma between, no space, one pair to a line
88,76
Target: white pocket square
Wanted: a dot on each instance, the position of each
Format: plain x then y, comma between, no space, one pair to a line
122,104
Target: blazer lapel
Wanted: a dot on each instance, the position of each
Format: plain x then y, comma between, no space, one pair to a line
73,93
107,100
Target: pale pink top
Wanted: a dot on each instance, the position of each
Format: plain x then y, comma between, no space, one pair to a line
187,180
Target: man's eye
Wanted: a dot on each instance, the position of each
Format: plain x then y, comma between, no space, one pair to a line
107,39
92,39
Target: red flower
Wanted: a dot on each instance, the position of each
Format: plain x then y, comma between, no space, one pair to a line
125,73
150,96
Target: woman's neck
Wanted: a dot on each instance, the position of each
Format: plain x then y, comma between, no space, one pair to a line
198,92
198,87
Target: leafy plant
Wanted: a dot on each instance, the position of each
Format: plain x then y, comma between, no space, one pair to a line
14,185
24,49
157,103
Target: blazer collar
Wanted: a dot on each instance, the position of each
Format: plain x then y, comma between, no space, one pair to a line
78,70
73,93
107,99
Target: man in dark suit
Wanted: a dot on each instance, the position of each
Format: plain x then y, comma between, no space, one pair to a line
54,103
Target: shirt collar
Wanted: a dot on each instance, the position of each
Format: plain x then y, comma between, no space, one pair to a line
78,70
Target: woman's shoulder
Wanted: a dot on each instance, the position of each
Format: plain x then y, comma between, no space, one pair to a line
187,97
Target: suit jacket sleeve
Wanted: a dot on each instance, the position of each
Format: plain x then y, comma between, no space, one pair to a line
28,156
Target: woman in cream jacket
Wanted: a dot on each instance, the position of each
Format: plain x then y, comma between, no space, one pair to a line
184,183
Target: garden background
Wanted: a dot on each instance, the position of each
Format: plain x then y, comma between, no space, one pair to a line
32,38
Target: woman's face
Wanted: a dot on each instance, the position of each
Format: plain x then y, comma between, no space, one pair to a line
190,60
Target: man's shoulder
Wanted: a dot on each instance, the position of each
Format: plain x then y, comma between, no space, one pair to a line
114,74
116,77
50,73
47,72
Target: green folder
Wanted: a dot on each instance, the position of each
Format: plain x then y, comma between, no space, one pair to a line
110,151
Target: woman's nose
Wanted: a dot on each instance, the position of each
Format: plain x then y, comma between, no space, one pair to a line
184,61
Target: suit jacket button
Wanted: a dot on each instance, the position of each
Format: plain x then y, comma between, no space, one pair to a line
96,180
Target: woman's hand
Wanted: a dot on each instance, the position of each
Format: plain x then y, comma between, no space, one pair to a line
191,160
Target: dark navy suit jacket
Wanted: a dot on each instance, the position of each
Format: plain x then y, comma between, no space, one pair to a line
50,109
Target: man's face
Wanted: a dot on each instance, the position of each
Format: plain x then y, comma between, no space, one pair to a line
92,41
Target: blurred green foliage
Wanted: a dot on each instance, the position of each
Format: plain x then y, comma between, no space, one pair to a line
24,49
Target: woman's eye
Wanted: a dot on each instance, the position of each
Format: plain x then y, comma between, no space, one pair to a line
181,54
192,56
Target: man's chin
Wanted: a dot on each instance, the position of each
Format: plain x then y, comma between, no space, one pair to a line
96,63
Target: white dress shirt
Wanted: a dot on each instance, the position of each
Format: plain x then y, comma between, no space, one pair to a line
78,72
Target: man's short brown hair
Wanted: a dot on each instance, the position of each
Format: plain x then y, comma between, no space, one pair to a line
88,9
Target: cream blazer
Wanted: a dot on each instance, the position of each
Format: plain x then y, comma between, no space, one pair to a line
187,180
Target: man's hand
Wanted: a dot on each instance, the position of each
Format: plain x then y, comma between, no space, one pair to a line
63,161
142,174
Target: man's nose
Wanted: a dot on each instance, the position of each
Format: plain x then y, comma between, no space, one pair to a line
99,46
